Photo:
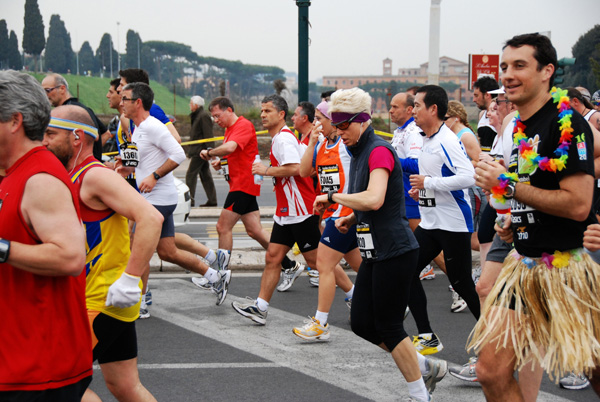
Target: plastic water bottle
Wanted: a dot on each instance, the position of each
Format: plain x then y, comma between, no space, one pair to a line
258,179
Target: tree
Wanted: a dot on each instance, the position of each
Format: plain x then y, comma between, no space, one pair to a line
133,50
87,61
595,63
14,56
105,54
279,86
59,54
581,74
33,31
3,45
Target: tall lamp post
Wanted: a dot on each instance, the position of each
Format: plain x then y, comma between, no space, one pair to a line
302,49
433,74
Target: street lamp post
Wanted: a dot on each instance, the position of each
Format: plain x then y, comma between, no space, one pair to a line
303,49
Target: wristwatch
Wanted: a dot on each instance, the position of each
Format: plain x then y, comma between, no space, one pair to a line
509,191
156,175
4,250
330,196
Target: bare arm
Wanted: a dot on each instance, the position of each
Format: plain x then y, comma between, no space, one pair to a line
291,169
596,135
105,136
47,205
471,146
572,201
306,167
103,188
222,150
369,200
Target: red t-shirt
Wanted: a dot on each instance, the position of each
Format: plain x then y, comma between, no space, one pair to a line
239,162
45,339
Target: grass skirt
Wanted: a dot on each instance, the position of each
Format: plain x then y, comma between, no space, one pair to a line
548,310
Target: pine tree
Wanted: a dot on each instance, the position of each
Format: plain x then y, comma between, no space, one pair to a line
14,56
133,50
87,61
3,45
33,31
59,54
103,56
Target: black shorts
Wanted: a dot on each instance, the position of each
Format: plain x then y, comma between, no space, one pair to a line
499,250
117,340
168,226
241,203
305,233
68,393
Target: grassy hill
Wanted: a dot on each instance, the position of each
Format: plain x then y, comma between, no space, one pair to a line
91,91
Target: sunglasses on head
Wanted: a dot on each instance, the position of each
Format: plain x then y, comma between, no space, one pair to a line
343,125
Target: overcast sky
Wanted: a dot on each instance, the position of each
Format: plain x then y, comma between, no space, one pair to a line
348,37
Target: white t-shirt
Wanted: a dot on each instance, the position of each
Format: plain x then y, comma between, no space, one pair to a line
446,199
407,141
286,149
155,145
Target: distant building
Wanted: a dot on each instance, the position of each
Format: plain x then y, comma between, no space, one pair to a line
451,70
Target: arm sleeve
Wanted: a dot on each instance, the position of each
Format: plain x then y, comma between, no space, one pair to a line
156,111
457,172
286,149
410,165
170,146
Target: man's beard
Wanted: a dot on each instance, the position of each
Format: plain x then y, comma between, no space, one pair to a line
63,157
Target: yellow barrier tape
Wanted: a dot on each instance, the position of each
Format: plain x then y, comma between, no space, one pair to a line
214,139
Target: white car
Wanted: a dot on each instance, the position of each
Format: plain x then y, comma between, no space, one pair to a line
184,203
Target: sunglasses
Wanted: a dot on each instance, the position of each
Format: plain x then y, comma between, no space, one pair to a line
48,90
343,125
129,99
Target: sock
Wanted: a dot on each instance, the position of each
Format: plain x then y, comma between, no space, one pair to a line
322,317
212,275
350,293
423,363
286,263
262,305
418,389
211,256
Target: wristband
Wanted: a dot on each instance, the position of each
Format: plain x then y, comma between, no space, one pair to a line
330,196
266,170
208,151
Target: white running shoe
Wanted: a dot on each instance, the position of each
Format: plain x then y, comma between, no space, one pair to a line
458,304
289,277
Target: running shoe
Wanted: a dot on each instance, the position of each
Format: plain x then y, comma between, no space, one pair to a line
296,249
144,312
289,277
427,273
313,277
574,381
476,274
250,310
466,372
406,312
411,398
458,304
437,371
148,297
348,301
312,330
344,264
221,286
201,282
222,261
427,344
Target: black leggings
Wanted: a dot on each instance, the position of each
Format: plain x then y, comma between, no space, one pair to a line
381,293
457,256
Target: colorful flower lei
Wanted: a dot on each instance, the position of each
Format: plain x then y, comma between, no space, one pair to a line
526,151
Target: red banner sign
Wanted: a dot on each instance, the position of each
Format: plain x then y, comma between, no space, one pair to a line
482,65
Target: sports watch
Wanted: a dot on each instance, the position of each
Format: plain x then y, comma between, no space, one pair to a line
4,250
509,191
156,175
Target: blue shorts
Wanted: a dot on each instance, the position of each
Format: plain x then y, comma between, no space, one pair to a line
168,227
332,237
412,212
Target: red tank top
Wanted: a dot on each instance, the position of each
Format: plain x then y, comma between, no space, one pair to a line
45,339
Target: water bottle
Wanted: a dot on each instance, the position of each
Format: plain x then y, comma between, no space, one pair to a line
258,179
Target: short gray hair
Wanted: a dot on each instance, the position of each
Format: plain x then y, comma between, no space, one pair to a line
197,100
59,80
23,94
278,102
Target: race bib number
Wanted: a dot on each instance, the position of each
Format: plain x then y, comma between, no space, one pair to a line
329,177
364,239
225,168
129,154
426,198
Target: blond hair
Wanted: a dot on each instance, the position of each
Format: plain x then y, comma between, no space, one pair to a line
353,100
457,109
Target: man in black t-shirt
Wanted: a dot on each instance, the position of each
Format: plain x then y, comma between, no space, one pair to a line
482,98
543,307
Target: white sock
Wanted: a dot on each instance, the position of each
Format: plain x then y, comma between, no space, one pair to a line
418,389
262,305
212,275
322,317
350,293
423,363
211,256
